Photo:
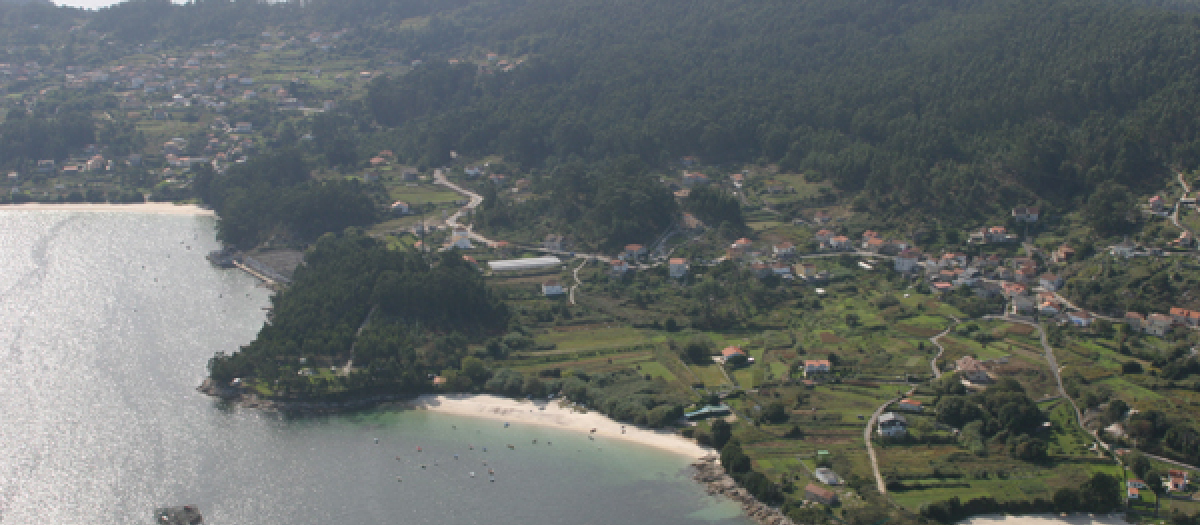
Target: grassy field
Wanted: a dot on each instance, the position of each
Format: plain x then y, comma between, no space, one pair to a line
875,329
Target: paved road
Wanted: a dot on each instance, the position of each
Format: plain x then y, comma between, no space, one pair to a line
1173,462
879,484
1175,212
937,374
474,200
1053,362
1072,306
575,273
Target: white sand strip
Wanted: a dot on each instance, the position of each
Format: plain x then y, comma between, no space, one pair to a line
530,412
1046,519
162,208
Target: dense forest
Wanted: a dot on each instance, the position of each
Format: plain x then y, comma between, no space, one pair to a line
925,107
917,109
274,196
605,207
423,310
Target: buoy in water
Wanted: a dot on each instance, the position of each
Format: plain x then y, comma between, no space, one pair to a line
456,456
376,441
418,449
493,480
398,479
472,474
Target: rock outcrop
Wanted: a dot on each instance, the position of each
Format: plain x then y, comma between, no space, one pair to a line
708,471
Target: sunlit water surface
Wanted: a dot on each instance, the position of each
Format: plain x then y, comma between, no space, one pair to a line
106,323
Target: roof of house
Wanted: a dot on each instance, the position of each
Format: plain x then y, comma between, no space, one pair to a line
967,362
892,416
1159,317
731,351
678,260
816,362
1135,315
1079,315
912,402
819,491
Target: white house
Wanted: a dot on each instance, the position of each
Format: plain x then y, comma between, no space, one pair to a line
1080,318
678,268
461,239
1158,324
892,424
906,261
1050,282
1024,214
553,242
815,367
1125,249
552,288
633,252
618,267
972,370
243,127
841,242
400,207
784,249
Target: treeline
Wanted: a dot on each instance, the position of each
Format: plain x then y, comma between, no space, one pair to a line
954,109
273,195
739,467
604,207
1004,411
1102,493
1142,284
624,395
345,278
200,22
715,207
27,137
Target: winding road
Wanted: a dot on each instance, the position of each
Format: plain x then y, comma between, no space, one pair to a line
1053,362
474,200
937,373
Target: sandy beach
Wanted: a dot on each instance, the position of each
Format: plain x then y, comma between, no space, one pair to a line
531,413
1045,519
163,208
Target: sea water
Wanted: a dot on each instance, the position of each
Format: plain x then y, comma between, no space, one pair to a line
106,323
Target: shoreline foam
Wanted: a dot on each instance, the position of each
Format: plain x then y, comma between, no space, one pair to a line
555,416
159,208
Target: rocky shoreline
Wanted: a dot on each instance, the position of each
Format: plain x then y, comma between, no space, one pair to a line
245,399
708,472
